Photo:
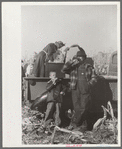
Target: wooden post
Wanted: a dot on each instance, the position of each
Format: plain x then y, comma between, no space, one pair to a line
26,91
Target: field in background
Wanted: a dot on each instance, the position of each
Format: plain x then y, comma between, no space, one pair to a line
101,61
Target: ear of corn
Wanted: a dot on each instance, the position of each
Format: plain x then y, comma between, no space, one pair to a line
111,110
101,120
98,123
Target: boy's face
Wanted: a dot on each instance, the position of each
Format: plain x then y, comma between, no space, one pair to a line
52,75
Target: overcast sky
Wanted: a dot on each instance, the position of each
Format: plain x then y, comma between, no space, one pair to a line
93,27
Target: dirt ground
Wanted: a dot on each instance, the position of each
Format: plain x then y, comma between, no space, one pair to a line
104,133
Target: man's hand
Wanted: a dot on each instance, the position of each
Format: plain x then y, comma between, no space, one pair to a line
74,45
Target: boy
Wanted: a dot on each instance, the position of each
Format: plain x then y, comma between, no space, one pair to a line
82,78
55,89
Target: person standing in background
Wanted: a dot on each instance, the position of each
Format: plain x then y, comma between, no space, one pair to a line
29,68
22,79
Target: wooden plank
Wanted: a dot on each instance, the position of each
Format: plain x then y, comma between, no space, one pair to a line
36,78
41,78
110,77
46,78
26,91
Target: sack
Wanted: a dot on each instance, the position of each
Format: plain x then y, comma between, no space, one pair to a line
42,99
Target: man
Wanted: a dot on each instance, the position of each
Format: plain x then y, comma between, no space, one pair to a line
82,77
44,56
22,80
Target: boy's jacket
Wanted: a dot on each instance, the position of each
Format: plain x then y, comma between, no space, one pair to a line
69,68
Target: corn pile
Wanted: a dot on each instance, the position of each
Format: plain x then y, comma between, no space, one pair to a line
104,131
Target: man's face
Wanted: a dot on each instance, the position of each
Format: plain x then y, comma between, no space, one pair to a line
61,46
58,45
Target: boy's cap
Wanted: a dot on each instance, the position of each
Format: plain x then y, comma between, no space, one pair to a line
81,53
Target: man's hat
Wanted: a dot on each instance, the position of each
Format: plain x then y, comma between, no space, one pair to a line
61,43
81,52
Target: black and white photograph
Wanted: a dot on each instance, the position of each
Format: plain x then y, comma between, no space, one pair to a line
65,74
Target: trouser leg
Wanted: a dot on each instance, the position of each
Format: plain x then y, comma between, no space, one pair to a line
82,105
49,111
57,114
76,105
75,99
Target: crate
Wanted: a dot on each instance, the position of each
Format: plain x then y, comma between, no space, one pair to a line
55,67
